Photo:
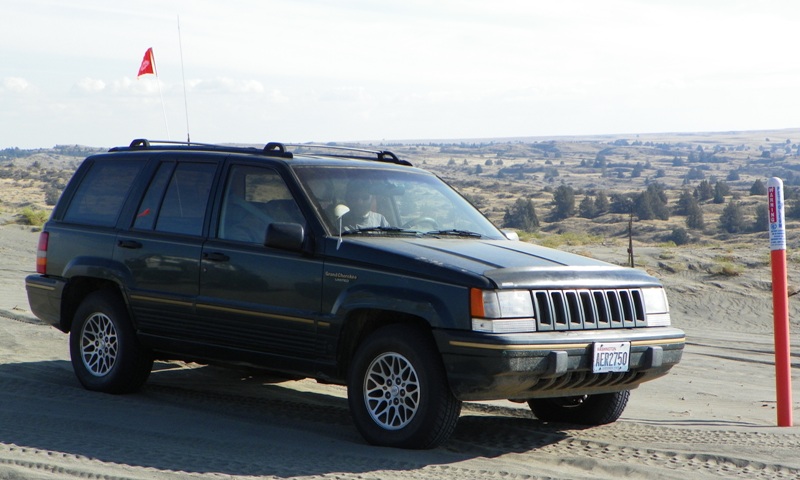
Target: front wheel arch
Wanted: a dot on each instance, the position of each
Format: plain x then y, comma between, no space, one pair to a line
362,323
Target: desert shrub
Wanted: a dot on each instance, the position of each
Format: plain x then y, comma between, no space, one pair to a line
732,218
601,203
728,269
51,195
652,203
704,191
685,202
33,217
563,202
758,188
680,236
694,217
521,215
587,208
761,223
570,238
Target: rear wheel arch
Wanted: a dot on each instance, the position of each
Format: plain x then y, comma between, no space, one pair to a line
77,289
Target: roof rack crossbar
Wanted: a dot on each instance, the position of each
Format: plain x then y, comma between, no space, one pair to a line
145,143
375,155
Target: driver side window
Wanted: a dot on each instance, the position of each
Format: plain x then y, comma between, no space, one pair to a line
254,197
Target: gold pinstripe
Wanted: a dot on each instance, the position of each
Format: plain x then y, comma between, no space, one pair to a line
559,346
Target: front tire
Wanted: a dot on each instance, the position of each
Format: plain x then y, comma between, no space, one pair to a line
398,391
106,355
593,410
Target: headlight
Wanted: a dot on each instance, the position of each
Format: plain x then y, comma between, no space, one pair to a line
656,307
502,311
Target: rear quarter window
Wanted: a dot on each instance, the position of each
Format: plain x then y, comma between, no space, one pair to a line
99,198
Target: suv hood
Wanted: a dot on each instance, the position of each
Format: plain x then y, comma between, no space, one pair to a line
493,263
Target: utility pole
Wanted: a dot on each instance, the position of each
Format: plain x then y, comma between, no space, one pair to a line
631,262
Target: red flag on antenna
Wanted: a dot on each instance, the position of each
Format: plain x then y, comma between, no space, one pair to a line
148,64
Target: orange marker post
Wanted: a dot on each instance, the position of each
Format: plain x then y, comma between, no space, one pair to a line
780,301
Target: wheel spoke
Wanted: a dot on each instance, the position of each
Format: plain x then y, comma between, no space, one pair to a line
391,391
99,345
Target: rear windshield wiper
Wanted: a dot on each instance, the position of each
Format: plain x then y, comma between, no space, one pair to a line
455,232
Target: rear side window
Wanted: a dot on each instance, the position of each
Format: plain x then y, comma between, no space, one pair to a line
184,207
99,198
146,215
176,200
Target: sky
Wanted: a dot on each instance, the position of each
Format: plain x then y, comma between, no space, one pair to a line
253,71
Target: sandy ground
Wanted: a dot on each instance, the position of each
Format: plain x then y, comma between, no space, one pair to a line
714,416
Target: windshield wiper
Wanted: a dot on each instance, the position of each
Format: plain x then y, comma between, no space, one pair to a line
379,229
455,232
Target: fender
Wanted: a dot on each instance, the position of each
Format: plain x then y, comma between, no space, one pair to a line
100,268
435,305
92,269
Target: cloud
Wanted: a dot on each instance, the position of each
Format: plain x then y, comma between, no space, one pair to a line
346,94
141,86
227,85
276,96
90,85
16,85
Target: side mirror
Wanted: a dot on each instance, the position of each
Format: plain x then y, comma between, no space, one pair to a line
511,235
340,211
286,236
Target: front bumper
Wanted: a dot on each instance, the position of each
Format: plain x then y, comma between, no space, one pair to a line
551,364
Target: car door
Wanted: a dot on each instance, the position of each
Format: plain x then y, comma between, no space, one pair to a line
162,248
254,297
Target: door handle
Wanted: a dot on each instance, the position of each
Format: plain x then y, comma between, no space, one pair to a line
216,257
129,244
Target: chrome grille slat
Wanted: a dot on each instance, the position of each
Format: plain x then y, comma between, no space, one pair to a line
588,309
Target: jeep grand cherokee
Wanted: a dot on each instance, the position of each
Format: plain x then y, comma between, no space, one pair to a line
347,266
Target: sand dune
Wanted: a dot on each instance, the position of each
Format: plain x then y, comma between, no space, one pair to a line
714,416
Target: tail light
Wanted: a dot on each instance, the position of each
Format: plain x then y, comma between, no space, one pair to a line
41,253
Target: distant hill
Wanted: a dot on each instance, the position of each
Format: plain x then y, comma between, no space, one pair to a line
589,185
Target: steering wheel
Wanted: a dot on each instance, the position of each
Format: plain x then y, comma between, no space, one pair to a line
421,223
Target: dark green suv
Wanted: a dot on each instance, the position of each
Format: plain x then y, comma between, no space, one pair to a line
348,266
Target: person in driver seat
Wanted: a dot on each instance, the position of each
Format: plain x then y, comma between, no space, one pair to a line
361,215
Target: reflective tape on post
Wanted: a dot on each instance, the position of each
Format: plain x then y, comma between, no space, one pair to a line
777,220
780,301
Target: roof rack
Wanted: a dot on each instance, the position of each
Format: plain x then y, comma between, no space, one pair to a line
350,152
272,149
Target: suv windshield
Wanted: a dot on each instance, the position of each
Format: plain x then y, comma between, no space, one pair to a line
390,201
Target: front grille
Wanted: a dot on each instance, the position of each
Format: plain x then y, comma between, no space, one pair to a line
588,309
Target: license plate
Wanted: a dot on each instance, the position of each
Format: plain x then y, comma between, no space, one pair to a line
611,357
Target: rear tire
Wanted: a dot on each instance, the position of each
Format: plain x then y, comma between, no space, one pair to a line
106,355
592,410
398,392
